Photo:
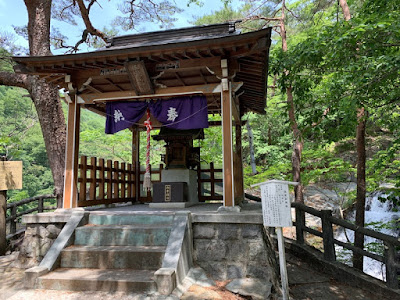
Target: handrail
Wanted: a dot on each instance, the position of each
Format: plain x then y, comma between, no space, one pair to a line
14,215
390,242
329,242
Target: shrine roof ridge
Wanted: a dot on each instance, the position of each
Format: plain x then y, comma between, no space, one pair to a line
172,36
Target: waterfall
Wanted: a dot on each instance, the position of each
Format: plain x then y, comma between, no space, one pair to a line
377,216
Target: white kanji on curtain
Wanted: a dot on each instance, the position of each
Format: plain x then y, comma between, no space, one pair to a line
172,114
118,116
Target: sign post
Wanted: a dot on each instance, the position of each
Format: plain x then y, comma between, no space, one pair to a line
10,179
277,213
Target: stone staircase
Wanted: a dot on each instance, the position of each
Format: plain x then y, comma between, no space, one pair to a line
113,252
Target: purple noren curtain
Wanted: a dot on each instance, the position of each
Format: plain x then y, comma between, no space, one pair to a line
177,113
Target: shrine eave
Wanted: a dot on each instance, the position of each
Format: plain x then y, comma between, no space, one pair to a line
177,59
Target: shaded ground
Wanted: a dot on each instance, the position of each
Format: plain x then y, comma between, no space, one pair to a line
307,283
304,282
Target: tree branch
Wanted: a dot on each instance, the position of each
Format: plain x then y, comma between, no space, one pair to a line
86,19
13,79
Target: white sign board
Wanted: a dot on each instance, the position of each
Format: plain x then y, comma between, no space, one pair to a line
276,204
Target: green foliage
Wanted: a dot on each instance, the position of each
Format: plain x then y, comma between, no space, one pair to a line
21,139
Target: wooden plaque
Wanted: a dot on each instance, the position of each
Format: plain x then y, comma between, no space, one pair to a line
10,175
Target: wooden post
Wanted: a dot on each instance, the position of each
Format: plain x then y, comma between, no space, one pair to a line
109,180
101,178
40,205
82,188
391,267
327,235
136,160
13,221
227,151
238,166
3,211
116,180
71,155
92,186
300,224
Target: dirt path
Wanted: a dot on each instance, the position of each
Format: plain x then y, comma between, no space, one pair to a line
305,283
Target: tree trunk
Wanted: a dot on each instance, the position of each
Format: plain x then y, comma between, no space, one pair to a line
251,146
361,187
297,139
345,8
297,148
48,107
358,261
44,95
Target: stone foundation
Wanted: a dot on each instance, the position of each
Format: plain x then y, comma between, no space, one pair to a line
228,251
37,241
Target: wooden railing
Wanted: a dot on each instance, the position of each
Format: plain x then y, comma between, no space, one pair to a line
390,243
209,180
14,213
105,182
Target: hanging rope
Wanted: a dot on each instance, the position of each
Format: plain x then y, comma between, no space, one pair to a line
147,176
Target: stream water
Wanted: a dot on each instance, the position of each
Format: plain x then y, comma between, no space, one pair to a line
380,216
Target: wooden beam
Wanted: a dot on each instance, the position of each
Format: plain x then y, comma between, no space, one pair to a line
206,89
139,77
114,84
235,111
71,156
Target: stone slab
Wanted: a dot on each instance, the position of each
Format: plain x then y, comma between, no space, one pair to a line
235,218
113,257
130,219
123,235
255,288
139,281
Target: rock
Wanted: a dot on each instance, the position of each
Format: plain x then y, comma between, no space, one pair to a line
251,231
234,271
209,250
199,277
255,288
203,232
227,232
53,230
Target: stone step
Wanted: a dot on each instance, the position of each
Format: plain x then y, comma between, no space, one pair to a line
113,257
121,280
118,218
122,235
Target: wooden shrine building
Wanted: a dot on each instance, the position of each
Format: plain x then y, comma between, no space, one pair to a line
217,61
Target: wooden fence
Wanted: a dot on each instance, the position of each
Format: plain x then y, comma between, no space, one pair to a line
209,179
390,244
105,182
14,214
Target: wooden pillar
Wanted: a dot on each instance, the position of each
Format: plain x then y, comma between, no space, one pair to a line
227,151
136,160
238,166
71,155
